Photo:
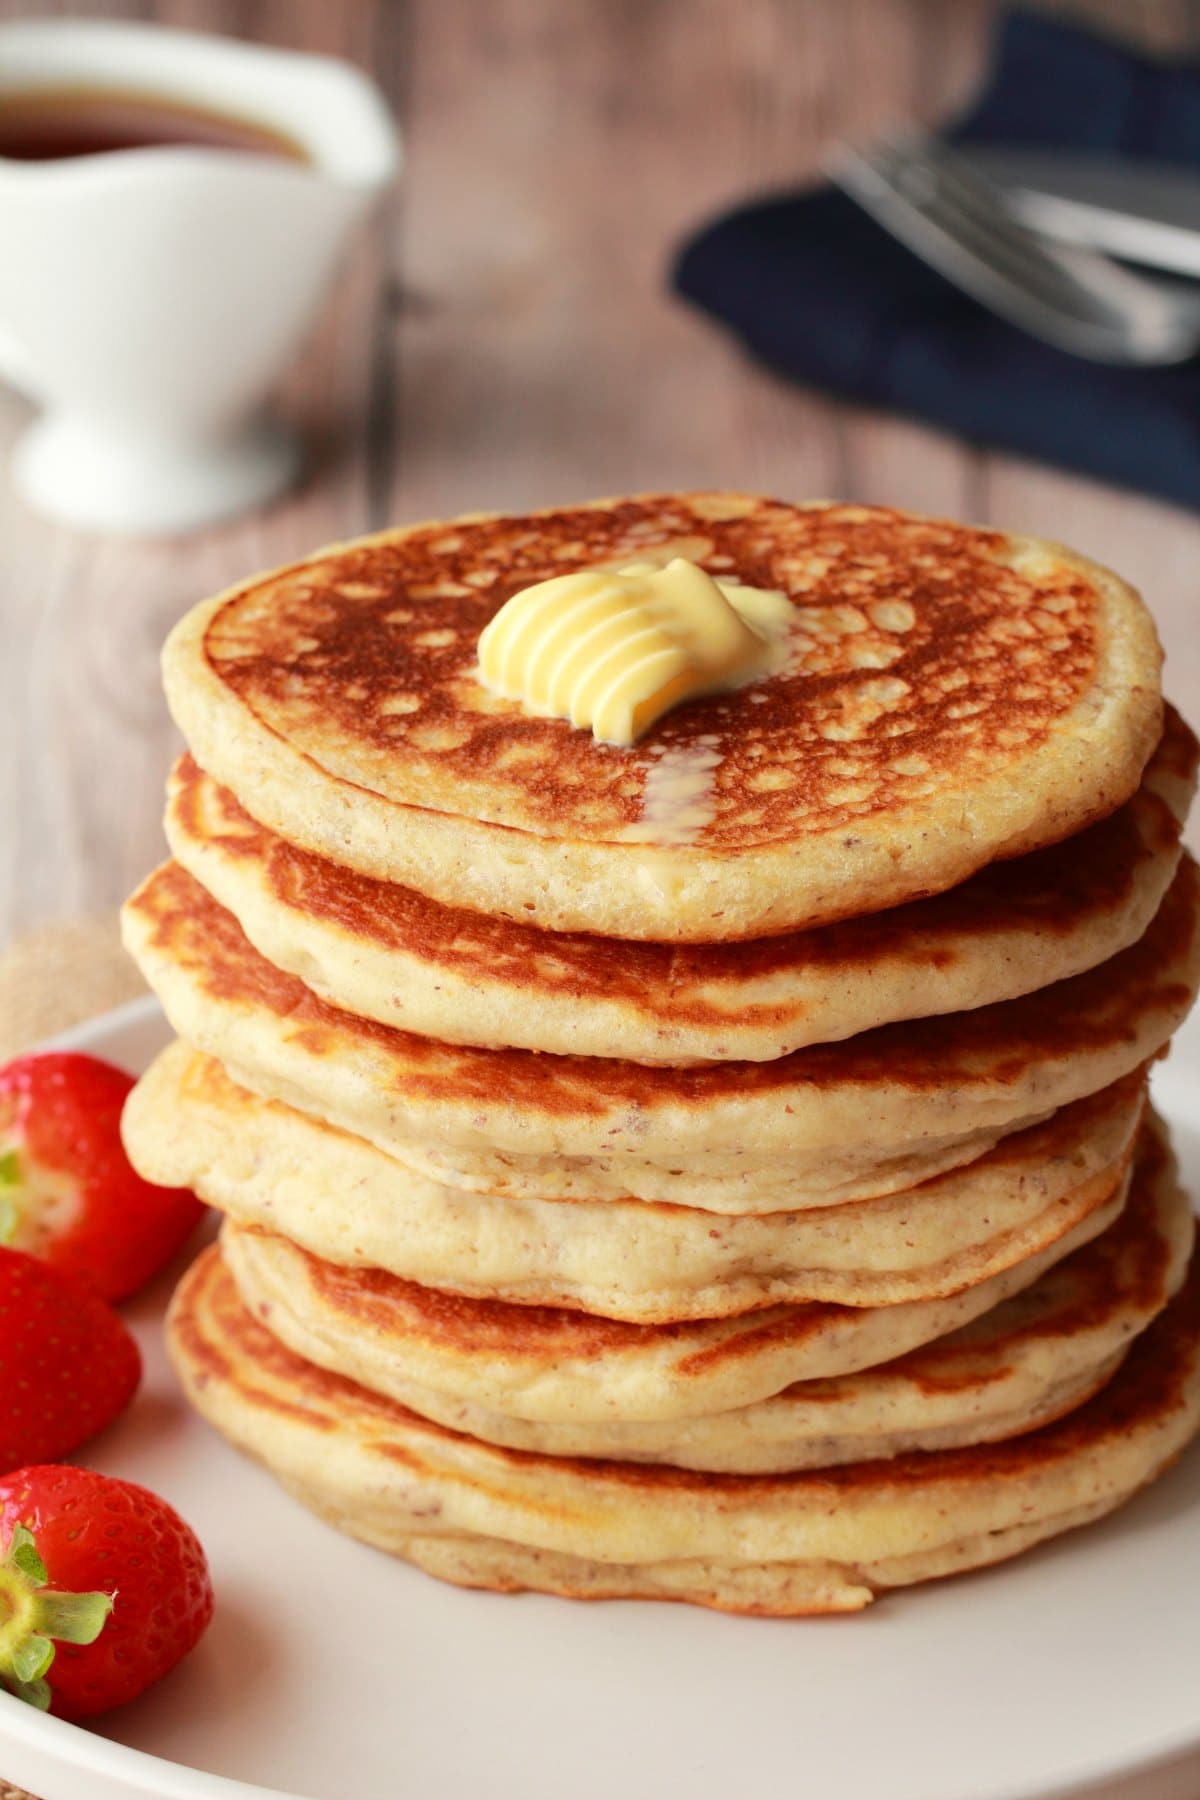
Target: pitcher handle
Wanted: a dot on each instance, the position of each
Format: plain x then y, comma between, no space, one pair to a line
16,368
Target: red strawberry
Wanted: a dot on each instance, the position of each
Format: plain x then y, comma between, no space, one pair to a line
103,1588
68,1366
68,1192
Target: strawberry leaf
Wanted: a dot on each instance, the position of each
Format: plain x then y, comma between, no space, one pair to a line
73,1618
34,1693
10,1181
33,1619
32,1658
23,1556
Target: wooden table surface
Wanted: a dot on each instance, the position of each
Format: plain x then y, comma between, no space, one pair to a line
503,339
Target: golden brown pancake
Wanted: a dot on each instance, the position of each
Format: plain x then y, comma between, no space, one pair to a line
543,1362
951,696
553,1365
187,1124
391,954
784,1544
942,1079
1019,1364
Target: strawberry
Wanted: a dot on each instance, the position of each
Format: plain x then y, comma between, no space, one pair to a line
68,1192
68,1366
103,1588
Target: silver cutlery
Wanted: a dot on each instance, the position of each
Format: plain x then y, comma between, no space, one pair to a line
947,213
1145,211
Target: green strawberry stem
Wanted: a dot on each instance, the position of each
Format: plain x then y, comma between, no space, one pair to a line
30,1618
10,1182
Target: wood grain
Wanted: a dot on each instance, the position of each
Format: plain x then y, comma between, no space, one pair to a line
506,339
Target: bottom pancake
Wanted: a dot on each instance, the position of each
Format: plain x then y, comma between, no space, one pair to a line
784,1544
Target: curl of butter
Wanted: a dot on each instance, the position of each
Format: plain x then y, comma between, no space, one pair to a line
614,650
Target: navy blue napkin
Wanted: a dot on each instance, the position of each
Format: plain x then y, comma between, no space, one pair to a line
819,291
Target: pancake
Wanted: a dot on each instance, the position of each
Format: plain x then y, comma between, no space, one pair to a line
1024,1362
548,1363
882,1093
389,953
950,696
784,1544
732,1185
188,1124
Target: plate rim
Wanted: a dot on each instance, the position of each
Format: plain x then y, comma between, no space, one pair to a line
86,1752
130,1014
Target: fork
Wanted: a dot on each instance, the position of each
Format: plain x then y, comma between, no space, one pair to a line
962,225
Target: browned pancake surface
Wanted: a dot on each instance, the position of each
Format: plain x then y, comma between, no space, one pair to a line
927,661
992,1044
1151,1381
1127,1265
1047,892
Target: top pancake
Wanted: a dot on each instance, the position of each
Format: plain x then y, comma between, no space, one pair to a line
952,696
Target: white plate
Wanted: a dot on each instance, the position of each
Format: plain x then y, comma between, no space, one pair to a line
332,1672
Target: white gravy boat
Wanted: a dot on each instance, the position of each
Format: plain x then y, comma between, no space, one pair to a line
150,298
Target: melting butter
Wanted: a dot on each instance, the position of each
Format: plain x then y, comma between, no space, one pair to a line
613,650
679,798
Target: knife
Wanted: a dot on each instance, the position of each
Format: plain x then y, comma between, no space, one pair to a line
1143,211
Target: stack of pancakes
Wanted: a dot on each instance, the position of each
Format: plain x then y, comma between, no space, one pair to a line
717,1169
